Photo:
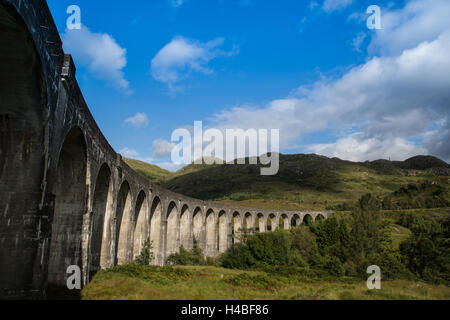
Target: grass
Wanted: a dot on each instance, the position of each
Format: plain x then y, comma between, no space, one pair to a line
212,283
149,171
399,234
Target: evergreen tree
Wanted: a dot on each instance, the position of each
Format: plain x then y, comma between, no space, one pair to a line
146,255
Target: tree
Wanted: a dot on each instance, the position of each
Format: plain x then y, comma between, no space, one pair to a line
146,255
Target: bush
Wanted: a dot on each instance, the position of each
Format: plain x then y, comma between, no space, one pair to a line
184,257
263,249
426,250
305,243
337,247
333,266
146,255
237,257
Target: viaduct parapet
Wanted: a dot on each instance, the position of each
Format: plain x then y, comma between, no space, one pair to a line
66,197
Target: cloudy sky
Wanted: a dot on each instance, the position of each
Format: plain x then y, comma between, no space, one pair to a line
310,68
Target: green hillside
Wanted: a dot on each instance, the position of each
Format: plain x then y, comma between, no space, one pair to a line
149,171
312,182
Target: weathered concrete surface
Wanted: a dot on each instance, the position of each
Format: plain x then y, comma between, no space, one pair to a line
66,197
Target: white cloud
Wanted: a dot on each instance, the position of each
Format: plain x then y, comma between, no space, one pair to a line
182,56
391,100
332,5
358,41
357,148
100,53
162,148
418,21
437,141
129,153
133,154
138,121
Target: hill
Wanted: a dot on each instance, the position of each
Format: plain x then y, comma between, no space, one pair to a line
307,181
149,171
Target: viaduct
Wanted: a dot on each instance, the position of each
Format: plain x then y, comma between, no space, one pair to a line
66,197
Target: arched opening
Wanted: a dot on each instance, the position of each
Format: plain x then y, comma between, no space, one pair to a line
100,206
308,220
23,106
173,229
284,222
70,206
295,221
272,223
261,223
141,230
211,231
185,228
124,223
248,221
223,232
197,226
155,231
237,226
320,217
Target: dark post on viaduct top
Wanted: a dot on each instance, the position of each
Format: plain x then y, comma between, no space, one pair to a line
66,197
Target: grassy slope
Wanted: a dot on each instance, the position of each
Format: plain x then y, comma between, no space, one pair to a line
303,182
149,171
200,283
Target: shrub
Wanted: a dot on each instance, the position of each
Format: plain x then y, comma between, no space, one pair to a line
263,249
146,255
187,258
237,257
426,250
305,243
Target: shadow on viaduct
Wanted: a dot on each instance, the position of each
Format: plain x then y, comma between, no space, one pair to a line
66,197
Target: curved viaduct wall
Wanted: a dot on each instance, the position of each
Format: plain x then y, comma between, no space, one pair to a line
66,197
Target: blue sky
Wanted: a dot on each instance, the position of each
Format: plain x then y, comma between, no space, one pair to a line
148,67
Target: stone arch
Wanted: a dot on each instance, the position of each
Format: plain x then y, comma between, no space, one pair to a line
141,229
284,222
101,209
23,110
319,217
197,226
173,229
124,224
185,227
237,226
223,232
211,233
261,223
155,231
272,222
295,221
307,219
70,205
248,221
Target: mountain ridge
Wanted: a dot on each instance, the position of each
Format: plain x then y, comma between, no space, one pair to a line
305,181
